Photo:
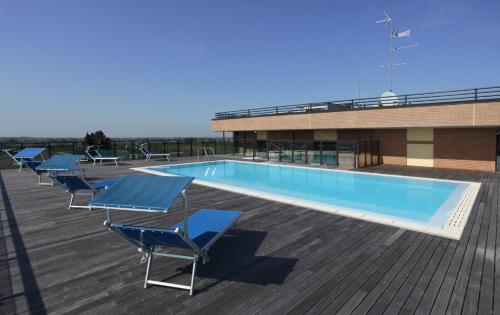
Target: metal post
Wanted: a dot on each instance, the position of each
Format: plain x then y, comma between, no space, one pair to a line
244,144
475,95
178,148
254,145
164,147
215,146
305,157
48,147
148,268
223,143
279,151
184,197
193,274
378,151
267,149
133,149
73,147
191,147
366,149
320,153
356,153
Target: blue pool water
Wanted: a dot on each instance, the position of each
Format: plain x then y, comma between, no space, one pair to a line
405,198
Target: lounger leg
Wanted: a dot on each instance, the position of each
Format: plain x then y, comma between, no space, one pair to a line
148,268
93,196
193,274
116,162
71,201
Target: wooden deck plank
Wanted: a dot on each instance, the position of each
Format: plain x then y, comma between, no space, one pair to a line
286,258
443,298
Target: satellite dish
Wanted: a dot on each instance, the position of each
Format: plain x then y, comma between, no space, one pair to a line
389,98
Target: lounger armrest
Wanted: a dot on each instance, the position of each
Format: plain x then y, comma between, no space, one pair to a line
206,226
103,184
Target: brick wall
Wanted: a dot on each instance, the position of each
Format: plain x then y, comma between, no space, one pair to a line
482,114
465,148
392,142
392,145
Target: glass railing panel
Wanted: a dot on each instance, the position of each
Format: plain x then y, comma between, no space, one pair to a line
314,153
299,152
286,152
274,151
261,150
346,154
329,153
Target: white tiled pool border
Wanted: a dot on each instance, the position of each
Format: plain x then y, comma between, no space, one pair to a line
453,227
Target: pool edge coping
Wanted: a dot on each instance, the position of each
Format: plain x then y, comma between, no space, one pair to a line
452,228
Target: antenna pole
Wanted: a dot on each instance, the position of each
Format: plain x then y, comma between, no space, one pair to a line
391,52
393,33
359,89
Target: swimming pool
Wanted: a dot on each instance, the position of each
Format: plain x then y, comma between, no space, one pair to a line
434,206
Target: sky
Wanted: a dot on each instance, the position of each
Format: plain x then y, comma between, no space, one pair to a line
163,68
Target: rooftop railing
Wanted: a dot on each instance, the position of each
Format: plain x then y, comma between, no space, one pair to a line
455,96
125,148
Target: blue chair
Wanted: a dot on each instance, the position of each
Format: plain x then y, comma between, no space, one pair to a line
26,155
76,185
150,193
57,163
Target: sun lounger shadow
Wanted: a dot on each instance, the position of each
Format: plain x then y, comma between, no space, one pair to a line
236,259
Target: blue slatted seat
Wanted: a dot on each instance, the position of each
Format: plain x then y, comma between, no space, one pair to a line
151,193
75,184
203,227
26,155
55,164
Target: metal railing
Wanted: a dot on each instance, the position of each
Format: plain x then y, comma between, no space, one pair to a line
454,96
125,148
352,154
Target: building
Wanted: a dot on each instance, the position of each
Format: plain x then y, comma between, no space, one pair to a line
452,129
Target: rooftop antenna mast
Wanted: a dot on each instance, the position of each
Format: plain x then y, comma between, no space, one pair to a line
394,34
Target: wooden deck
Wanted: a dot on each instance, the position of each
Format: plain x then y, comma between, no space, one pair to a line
286,259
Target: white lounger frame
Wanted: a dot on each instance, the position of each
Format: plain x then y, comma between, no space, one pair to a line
101,158
92,194
197,251
15,161
150,155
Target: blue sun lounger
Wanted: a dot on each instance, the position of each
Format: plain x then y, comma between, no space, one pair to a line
57,163
25,155
76,185
150,193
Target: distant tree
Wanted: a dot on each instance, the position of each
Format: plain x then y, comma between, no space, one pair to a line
97,138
